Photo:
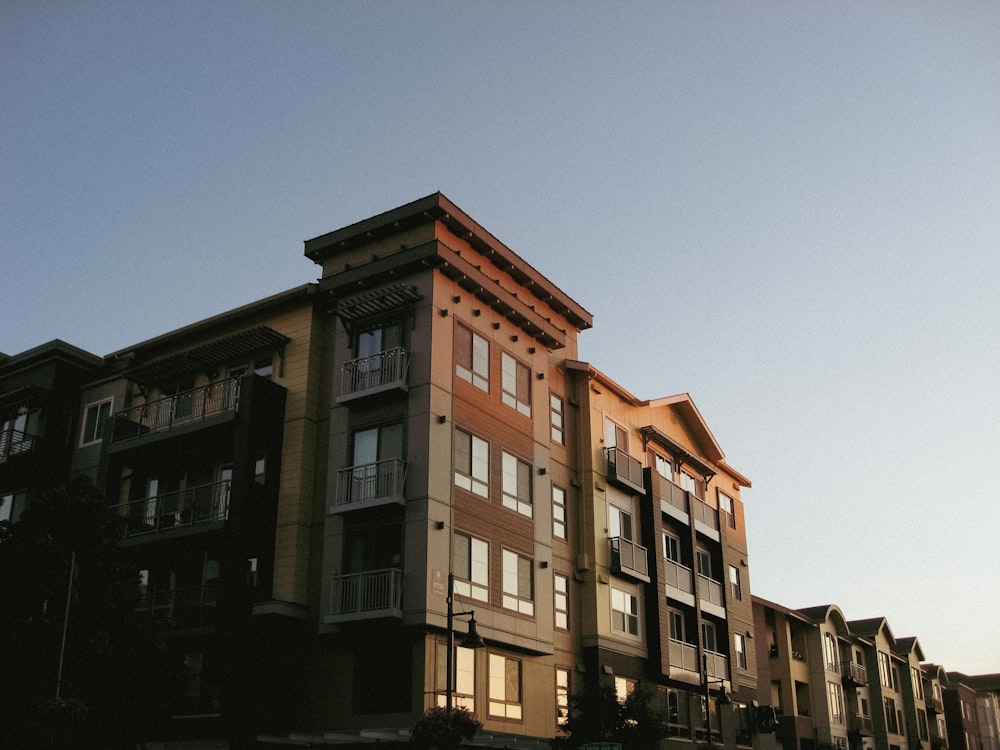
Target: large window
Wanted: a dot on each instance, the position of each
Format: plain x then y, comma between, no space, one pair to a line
518,583
472,357
835,698
663,467
11,506
93,420
560,586
505,687
624,612
516,484
562,695
691,484
830,651
471,566
620,524
678,713
678,630
916,678
516,384
891,722
557,419
624,687
558,512
704,561
671,547
464,694
615,436
884,669
374,448
472,463
708,638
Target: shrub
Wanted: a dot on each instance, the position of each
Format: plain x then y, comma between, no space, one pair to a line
443,729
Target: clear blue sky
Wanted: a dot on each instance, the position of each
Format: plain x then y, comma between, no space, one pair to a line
789,210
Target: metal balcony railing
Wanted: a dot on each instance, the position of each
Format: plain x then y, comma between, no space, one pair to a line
181,607
624,470
684,655
183,408
672,495
374,373
629,558
710,590
717,665
678,576
859,723
855,673
370,484
188,507
374,593
704,513
15,443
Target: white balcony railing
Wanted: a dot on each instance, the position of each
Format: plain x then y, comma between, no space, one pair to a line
374,373
373,593
370,484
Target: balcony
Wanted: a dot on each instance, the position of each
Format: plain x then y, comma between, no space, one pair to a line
710,593
854,673
684,656
180,608
362,596
673,500
370,485
934,704
717,665
624,470
182,409
629,558
204,504
939,743
679,582
706,518
15,443
385,371
860,723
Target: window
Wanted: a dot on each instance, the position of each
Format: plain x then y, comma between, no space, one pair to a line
516,484
891,722
471,566
895,678
93,420
370,475
836,700
740,650
556,419
562,695
251,571
472,463
677,627
260,471
678,713
264,367
726,509
624,612
615,436
922,724
505,687
830,651
918,683
692,485
12,506
671,547
382,338
558,512
560,585
620,523
884,670
463,695
735,589
516,384
708,638
624,687
472,357
704,561
663,467
518,583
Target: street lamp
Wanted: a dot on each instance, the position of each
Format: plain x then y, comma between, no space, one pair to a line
724,699
472,639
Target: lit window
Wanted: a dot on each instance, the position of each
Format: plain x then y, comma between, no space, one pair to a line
471,566
505,687
692,485
561,605
516,485
624,612
726,508
472,358
836,701
884,670
93,421
663,467
12,506
624,687
518,583
562,695
620,524
556,419
830,651
463,695
740,650
516,384
558,512
472,463
735,588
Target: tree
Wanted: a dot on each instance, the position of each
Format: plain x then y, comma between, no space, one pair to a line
94,677
597,715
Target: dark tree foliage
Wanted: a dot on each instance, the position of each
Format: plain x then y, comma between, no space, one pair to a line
115,679
597,715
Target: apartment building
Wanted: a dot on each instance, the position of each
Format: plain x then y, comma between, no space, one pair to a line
961,715
935,682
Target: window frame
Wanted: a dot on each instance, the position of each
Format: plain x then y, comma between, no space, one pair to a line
477,552
508,706
563,678
740,650
557,419
475,476
516,472
727,509
515,384
560,601
624,597
735,583
560,518
518,593
476,370
95,428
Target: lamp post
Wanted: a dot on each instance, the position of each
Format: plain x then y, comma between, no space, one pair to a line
724,699
472,639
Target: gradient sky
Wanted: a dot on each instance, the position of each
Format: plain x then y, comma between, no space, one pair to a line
789,210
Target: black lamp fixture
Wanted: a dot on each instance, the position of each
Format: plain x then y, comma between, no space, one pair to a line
724,699
471,639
